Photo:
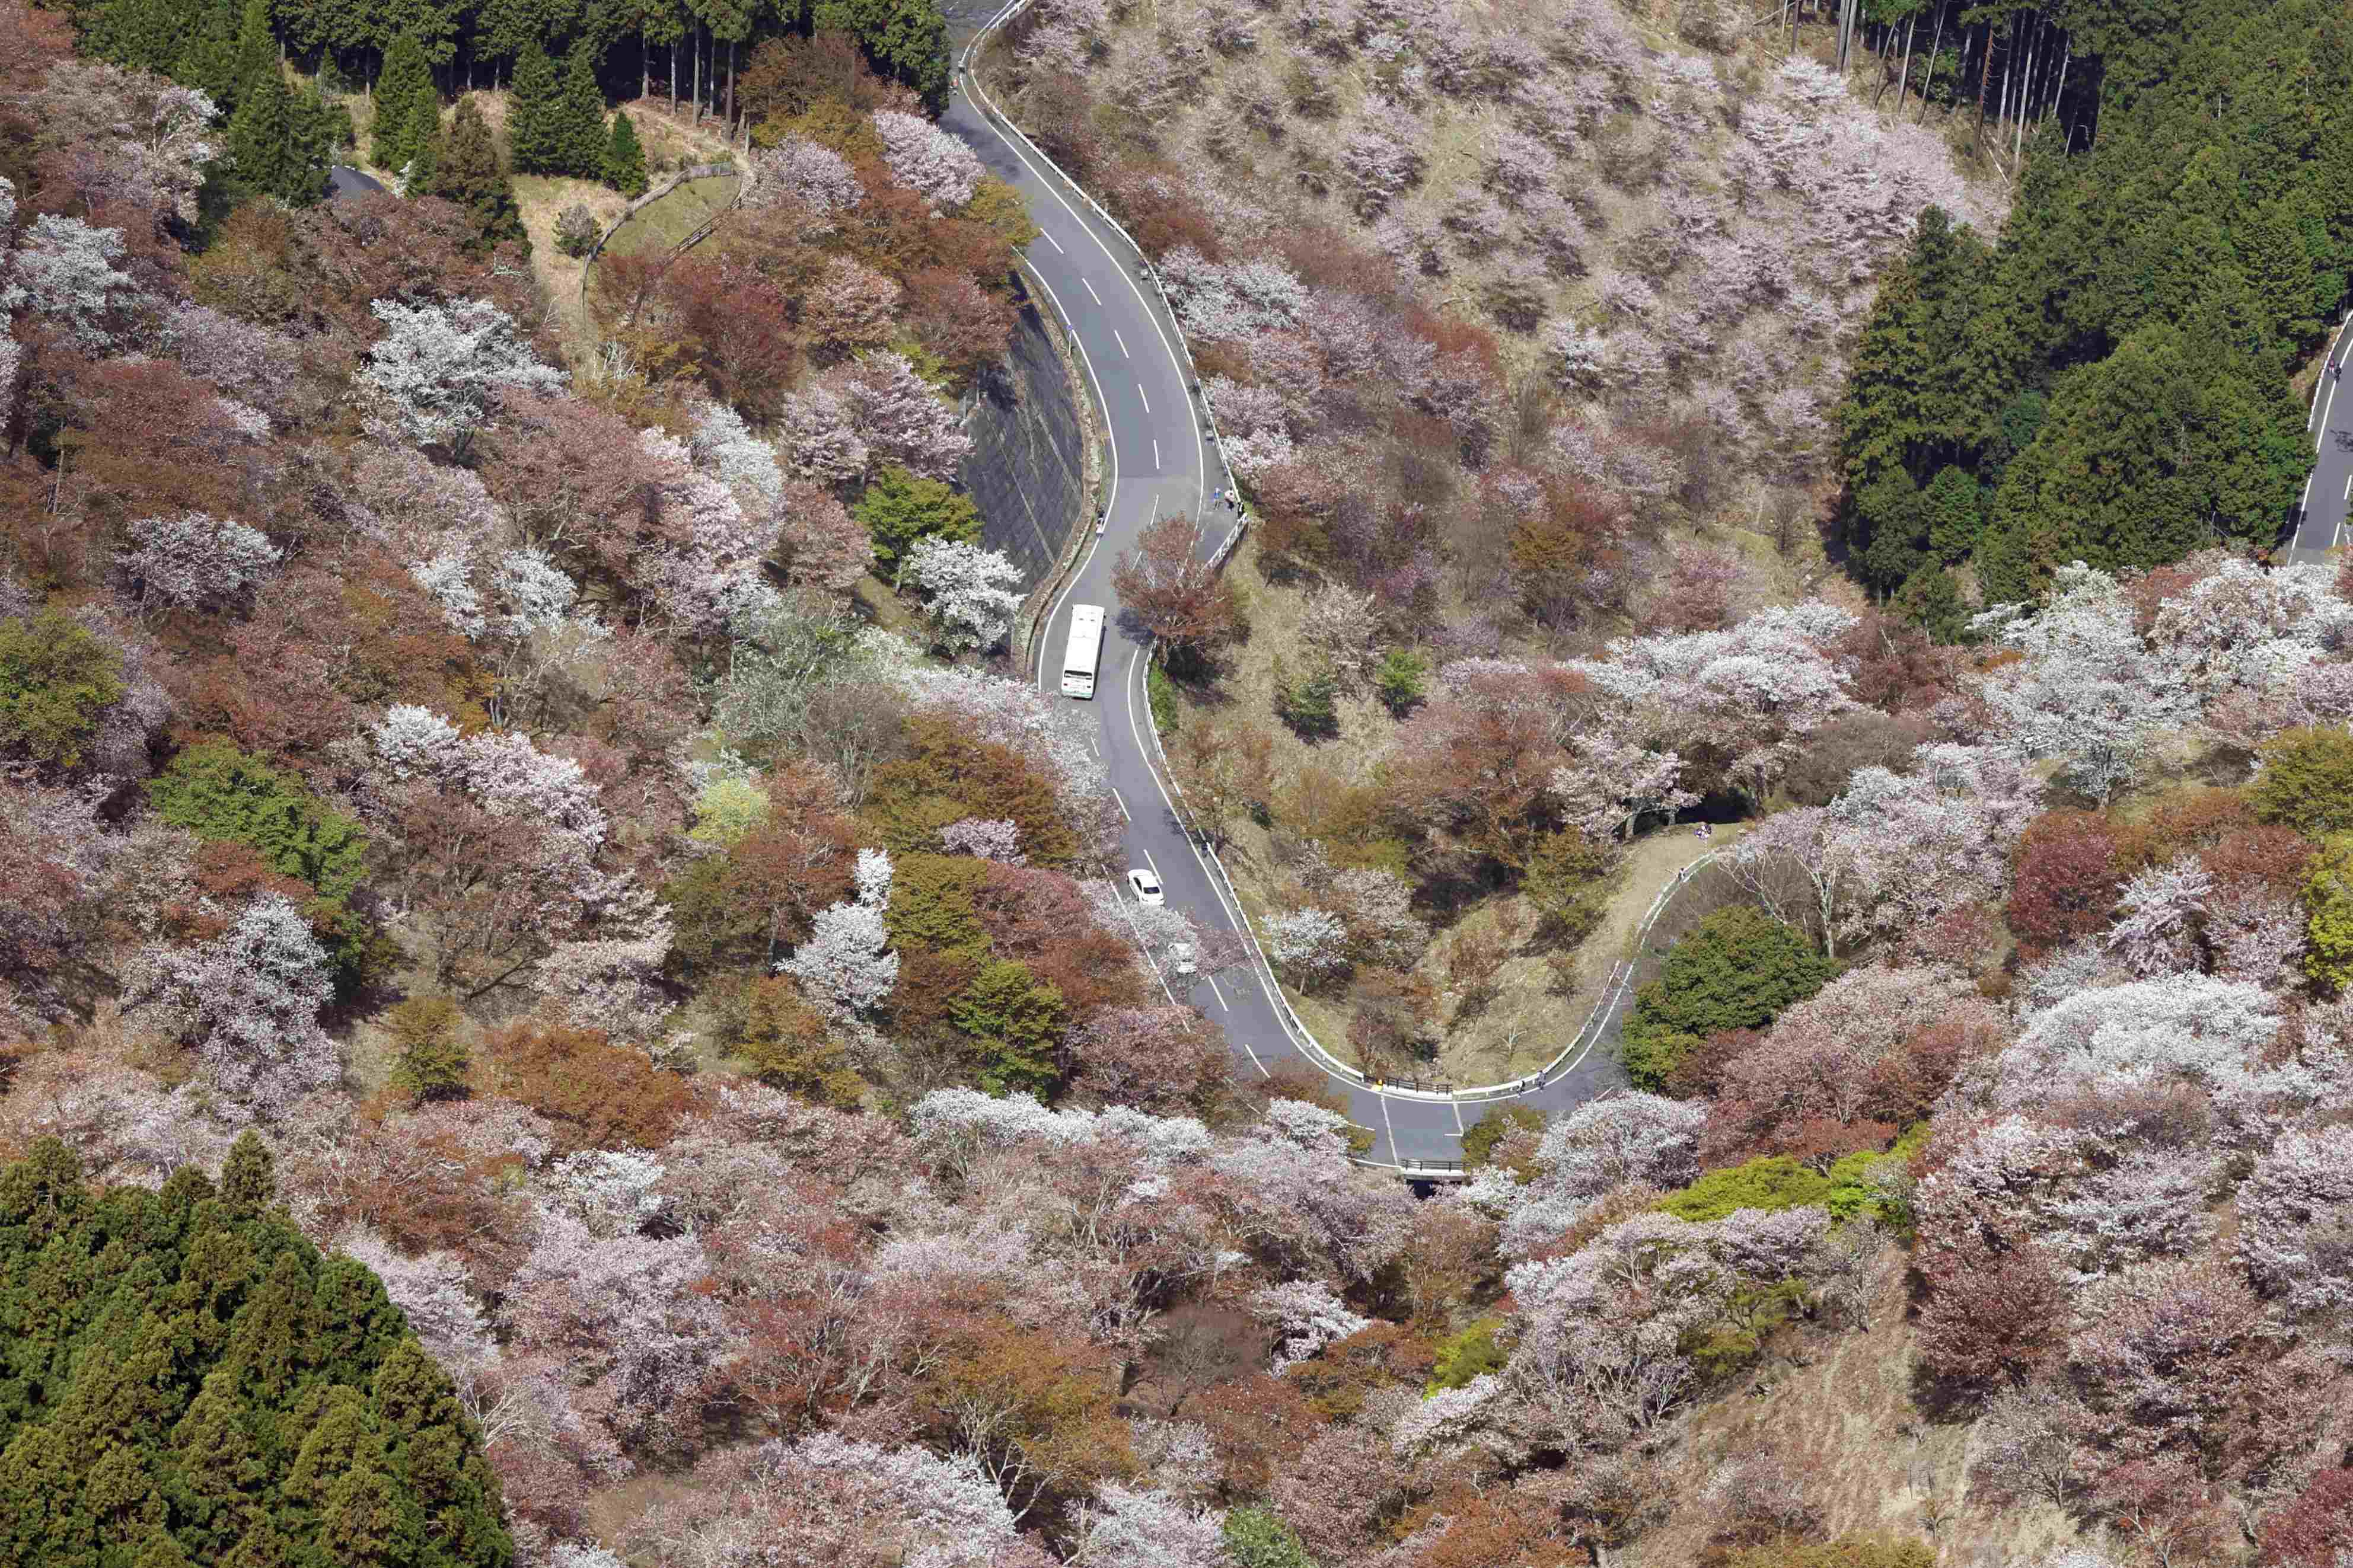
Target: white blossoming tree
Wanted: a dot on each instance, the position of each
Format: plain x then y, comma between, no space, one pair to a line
971,595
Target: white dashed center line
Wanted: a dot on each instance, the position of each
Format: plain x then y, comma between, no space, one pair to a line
1122,343
1091,291
1148,402
1056,244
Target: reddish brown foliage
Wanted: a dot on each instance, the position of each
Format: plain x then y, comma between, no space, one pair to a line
1894,665
2310,1531
596,1093
1336,1380
1484,1528
1256,1424
2069,865
1989,1313
962,322
322,640
955,773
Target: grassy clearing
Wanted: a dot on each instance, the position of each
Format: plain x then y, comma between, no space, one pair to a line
541,199
663,224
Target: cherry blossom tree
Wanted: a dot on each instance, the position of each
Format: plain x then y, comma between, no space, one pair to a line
927,160
496,845
813,177
829,1499
898,416
64,270
1310,945
195,561
433,377
1740,700
1622,1139
249,1000
2089,693
707,563
1304,1316
615,1319
2295,1221
970,594
1892,853
844,963
1131,1528
1613,784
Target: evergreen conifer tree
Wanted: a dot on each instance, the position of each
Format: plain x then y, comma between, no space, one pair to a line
248,1181
144,35
625,159
256,55
408,106
468,171
534,119
209,59
261,138
583,115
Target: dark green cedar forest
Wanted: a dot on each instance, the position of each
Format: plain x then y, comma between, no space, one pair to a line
184,1379
2110,381
697,46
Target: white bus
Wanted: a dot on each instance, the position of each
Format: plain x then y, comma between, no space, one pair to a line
1085,651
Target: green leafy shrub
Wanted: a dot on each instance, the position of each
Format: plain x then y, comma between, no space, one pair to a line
223,795
1402,678
1499,1124
1471,1354
2306,782
56,679
216,1390
1309,705
1017,1021
1736,970
1255,1537
1163,693
431,1060
898,509
1853,1185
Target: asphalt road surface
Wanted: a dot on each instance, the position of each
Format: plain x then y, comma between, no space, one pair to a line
343,181
1161,463
2322,524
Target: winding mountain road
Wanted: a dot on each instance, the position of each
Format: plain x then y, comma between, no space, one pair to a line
1163,460
2321,521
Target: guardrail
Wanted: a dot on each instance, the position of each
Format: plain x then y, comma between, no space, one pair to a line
699,172
1202,411
1621,974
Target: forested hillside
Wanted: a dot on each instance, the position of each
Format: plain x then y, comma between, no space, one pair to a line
2107,378
563,1003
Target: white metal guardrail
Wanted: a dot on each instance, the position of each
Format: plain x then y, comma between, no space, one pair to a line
1621,974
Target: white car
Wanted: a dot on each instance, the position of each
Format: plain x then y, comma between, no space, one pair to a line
1147,887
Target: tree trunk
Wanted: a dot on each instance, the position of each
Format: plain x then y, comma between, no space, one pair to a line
698,73
1928,82
2025,98
1985,75
2066,63
672,50
731,87
1903,83
645,68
